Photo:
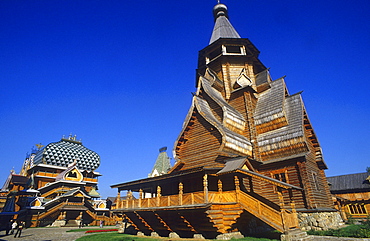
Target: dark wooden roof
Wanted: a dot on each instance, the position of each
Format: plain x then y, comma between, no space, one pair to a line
349,182
159,180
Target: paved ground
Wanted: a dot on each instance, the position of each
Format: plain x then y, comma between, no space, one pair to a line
44,234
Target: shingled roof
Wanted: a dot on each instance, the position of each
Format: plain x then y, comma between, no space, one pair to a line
349,182
162,164
65,152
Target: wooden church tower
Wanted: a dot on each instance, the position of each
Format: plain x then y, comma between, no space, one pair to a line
247,157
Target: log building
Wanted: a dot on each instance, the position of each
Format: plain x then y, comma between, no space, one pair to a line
352,195
247,157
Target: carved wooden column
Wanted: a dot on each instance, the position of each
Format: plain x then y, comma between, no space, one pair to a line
237,188
181,192
129,197
292,203
219,184
158,195
205,188
118,201
140,196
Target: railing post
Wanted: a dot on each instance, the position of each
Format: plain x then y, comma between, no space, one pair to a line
294,217
205,186
80,216
281,200
181,192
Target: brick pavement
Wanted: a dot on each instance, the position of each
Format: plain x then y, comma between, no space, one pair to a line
44,234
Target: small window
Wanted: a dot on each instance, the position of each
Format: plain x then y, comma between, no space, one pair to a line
234,49
281,176
315,181
358,208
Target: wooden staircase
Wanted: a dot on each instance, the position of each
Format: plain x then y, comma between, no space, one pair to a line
72,223
46,194
224,212
92,215
262,211
52,210
224,215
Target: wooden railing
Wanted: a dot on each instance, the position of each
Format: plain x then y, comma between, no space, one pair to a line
88,179
75,203
54,190
280,218
52,210
172,200
261,210
46,174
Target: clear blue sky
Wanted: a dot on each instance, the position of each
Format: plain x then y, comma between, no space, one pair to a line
119,74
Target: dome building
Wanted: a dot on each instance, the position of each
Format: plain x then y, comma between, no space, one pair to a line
61,187
65,152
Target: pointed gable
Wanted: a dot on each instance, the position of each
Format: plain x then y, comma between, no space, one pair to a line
235,164
70,174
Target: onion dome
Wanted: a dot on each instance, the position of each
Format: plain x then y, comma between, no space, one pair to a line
67,151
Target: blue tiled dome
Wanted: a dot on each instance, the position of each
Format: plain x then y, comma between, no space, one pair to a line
65,152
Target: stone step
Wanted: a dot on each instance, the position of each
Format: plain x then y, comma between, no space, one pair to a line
295,235
71,223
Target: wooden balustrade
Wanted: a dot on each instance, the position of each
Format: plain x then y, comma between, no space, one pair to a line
46,174
88,179
178,200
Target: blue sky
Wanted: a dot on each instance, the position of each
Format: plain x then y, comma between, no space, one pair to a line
119,74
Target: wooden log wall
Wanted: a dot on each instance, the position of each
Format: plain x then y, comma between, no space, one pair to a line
318,187
200,144
291,172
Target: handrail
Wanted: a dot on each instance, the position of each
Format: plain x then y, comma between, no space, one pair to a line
52,210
